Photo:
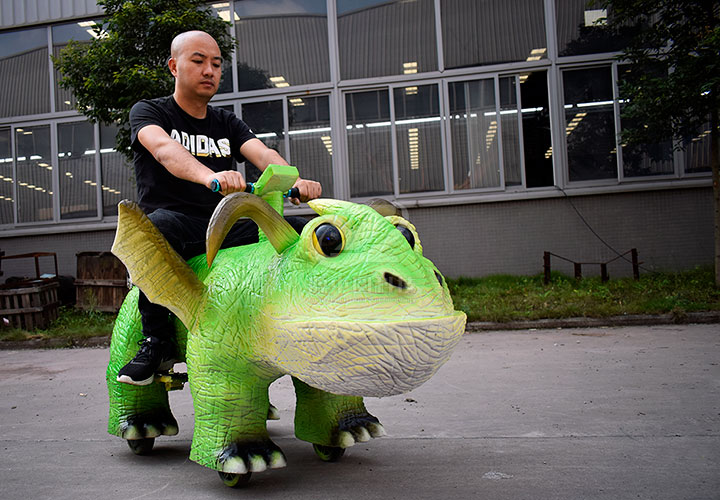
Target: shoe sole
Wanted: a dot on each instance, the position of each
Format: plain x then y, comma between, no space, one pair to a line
127,380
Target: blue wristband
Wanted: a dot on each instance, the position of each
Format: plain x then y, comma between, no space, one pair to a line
215,186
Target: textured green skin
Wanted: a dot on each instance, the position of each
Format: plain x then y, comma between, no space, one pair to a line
249,289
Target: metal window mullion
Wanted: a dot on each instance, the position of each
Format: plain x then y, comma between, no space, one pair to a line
498,134
445,135
333,47
616,113
234,69
13,152
286,129
394,142
98,171
55,170
469,129
338,135
551,30
521,137
439,38
558,138
51,70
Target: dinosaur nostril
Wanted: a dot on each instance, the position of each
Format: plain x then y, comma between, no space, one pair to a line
439,277
395,281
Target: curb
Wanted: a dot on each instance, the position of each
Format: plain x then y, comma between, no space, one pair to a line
707,317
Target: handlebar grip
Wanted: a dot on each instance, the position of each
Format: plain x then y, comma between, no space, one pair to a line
293,193
250,187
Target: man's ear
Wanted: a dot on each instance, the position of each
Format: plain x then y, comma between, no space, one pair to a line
172,64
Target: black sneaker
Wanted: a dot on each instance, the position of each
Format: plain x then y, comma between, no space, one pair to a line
154,355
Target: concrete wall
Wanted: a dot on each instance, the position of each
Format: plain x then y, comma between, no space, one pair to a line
672,230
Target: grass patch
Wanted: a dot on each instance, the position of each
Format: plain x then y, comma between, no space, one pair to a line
508,298
71,324
499,298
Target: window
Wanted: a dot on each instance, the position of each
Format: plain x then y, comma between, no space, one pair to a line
6,178
582,28
81,31
697,151
24,72
643,159
76,168
380,37
479,32
266,121
118,176
590,124
34,174
537,141
418,138
474,129
281,44
369,143
310,140
222,10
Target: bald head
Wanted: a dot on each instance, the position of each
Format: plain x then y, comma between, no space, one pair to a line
189,38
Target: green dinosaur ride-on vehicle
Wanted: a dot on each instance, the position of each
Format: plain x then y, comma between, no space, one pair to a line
349,309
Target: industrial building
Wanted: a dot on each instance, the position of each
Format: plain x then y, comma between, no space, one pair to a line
495,123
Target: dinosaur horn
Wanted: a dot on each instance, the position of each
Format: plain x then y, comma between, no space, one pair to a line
278,231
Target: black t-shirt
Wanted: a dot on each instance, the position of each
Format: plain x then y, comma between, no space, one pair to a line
214,140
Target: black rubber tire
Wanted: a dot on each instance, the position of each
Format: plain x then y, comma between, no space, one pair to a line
234,480
141,446
328,453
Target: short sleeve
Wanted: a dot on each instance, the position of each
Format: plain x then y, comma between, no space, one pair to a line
143,113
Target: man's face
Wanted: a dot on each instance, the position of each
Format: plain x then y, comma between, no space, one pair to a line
197,67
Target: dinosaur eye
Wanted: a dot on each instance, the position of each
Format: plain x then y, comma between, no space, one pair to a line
408,235
328,240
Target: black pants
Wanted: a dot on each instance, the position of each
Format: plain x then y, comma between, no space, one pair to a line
186,235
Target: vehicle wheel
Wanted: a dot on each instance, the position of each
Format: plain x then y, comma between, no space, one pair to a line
328,453
141,446
234,480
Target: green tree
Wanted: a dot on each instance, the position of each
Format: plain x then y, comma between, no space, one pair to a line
674,87
127,58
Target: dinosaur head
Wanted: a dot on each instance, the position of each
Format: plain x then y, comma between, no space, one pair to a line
353,307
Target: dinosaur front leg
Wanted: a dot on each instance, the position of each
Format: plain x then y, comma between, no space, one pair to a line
331,420
231,408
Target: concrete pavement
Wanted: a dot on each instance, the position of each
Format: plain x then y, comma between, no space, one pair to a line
593,413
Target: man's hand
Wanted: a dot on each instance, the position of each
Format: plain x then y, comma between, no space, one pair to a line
230,181
309,190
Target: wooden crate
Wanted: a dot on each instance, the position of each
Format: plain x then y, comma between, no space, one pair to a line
101,282
30,304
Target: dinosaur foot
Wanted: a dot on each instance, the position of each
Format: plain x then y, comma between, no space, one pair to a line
149,425
358,429
243,457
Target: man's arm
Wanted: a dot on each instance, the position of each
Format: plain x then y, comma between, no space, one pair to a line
179,162
257,153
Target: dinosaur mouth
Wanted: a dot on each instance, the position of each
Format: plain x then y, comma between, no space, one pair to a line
364,358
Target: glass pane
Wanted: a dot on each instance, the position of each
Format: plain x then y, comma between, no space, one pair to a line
697,152
222,10
473,127
369,143
24,72
34,174
536,129
479,32
380,37
118,176
512,161
280,44
643,159
81,31
310,142
590,124
419,144
76,163
582,28
6,178
266,121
